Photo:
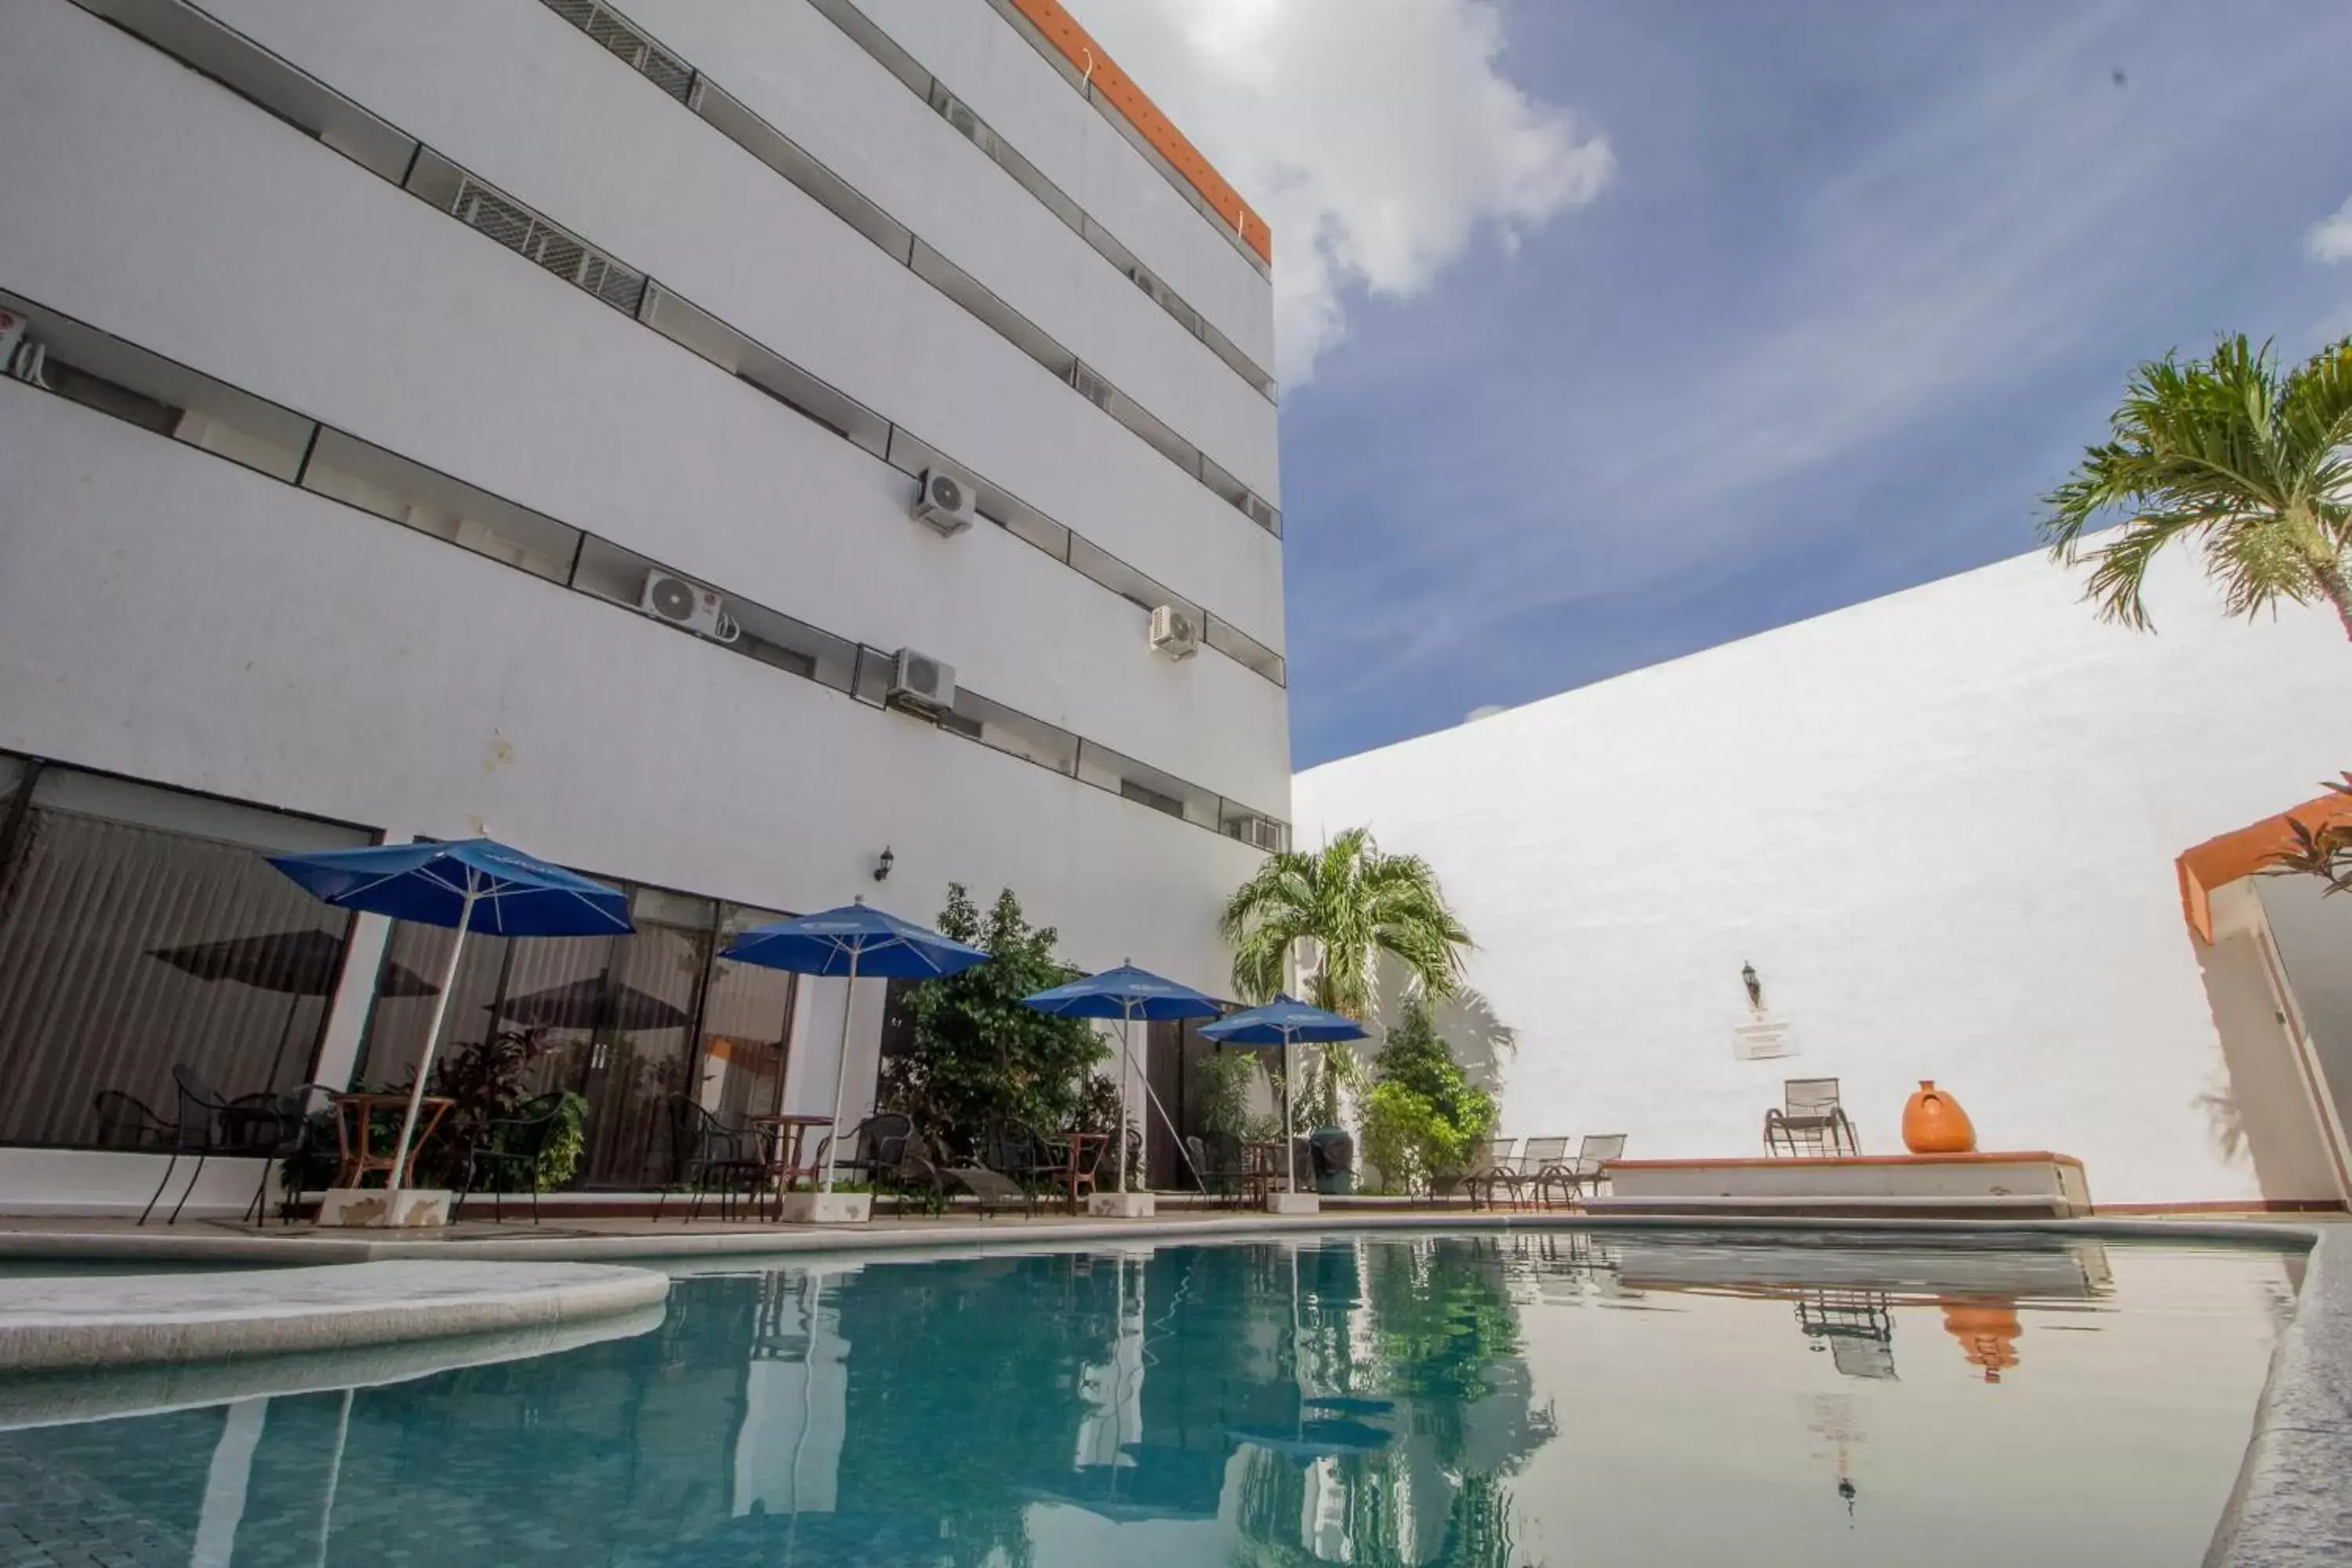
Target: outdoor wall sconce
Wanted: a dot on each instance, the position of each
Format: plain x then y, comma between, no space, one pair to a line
1755,986
882,864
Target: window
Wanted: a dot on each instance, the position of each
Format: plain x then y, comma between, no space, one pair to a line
141,930
626,1022
393,487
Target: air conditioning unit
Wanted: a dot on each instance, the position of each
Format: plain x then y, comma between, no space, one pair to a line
945,502
688,605
1174,632
919,681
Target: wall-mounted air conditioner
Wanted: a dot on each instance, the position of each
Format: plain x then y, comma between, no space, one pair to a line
688,605
1175,633
945,502
919,681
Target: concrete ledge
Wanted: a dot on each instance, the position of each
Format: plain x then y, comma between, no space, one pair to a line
2293,1506
113,1321
1989,1185
99,1393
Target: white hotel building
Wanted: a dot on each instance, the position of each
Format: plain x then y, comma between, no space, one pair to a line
502,415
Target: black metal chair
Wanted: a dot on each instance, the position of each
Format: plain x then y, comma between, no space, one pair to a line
291,1135
508,1150
708,1156
885,1153
209,1125
126,1121
1224,1170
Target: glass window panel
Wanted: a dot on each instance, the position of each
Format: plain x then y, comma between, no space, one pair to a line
1243,649
994,313
1141,781
644,1052
872,683
102,371
127,949
1009,730
393,487
1091,561
746,1018
403,1008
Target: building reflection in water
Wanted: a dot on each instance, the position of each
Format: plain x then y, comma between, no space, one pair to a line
1341,1400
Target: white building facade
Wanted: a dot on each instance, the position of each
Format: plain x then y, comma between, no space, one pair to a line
1945,830
508,416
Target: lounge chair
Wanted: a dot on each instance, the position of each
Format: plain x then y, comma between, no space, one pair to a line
1589,1168
1490,1164
1810,1121
1539,1157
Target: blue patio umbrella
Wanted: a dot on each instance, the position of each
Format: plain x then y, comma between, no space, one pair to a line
1284,1022
1126,994
850,941
470,885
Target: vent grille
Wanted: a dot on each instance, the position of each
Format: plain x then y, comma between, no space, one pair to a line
528,235
1090,386
625,44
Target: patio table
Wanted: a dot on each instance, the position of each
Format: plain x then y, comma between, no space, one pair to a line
355,1121
784,1136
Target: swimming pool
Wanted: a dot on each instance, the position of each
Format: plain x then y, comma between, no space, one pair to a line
1496,1399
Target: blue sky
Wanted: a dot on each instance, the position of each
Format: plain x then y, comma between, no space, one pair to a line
1830,294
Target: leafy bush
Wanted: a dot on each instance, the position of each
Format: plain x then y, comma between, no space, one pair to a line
978,1054
1221,1086
1423,1117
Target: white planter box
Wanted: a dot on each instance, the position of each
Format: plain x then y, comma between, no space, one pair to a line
1121,1206
1293,1203
368,1206
827,1208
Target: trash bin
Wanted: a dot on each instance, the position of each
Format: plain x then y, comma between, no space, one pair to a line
1334,1153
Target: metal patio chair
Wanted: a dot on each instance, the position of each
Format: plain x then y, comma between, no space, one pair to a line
209,1125
1810,1121
1490,1164
1589,1168
126,1121
506,1151
1537,1157
707,1156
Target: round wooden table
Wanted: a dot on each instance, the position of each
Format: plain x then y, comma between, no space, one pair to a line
354,1120
783,1139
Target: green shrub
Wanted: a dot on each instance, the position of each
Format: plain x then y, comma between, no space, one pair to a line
1422,1118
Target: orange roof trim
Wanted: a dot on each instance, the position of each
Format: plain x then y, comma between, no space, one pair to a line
1079,46
2220,861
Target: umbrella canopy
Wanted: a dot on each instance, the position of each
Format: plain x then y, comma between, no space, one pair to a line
593,1002
1284,1021
291,963
851,942
483,885
1126,993
473,884
854,939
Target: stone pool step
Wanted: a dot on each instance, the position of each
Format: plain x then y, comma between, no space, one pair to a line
112,1320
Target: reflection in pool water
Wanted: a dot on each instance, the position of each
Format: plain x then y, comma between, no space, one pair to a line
1488,1400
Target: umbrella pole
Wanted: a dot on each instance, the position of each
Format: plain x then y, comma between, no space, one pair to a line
1289,1153
425,1062
1125,1061
840,1073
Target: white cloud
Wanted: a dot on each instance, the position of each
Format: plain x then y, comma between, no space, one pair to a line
2330,238
1378,141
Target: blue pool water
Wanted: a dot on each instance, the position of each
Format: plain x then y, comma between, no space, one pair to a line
1491,1400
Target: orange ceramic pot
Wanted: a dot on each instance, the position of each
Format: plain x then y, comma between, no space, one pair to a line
1934,1123
1987,1331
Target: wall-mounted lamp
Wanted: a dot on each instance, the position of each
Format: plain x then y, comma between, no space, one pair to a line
882,864
1755,986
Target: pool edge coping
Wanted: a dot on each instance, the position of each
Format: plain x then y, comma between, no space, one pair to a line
2292,1505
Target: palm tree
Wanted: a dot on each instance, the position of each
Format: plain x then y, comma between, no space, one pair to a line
2248,461
1358,904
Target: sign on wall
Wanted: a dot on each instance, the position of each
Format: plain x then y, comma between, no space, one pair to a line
1760,1037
